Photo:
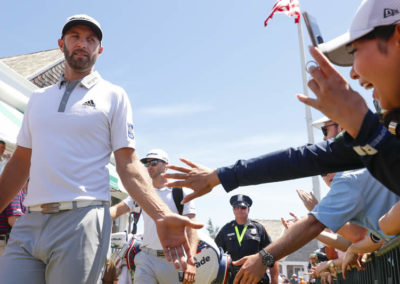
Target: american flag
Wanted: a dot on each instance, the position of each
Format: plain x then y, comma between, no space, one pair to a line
289,7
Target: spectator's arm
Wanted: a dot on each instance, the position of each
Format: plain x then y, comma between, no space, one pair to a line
274,272
369,244
325,157
296,236
352,257
334,240
14,175
118,210
12,220
390,222
354,233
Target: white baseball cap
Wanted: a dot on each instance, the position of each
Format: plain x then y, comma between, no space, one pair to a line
156,154
370,14
320,122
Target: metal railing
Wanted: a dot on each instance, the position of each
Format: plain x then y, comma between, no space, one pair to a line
382,268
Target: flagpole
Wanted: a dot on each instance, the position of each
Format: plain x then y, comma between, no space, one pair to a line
315,180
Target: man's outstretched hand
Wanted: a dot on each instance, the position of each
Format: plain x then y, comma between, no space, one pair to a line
201,179
172,235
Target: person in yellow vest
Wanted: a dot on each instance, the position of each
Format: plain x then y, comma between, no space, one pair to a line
242,236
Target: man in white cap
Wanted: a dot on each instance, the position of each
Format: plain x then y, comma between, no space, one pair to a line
66,139
151,265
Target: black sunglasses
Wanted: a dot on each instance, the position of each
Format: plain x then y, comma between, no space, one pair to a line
151,163
241,207
325,128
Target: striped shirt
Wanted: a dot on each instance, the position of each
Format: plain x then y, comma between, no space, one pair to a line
15,208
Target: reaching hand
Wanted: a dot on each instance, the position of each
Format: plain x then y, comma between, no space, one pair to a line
201,179
321,267
287,223
172,235
308,199
334,96
190,274
252,269
349,259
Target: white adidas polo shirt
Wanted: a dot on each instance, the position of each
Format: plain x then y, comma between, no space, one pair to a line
72,134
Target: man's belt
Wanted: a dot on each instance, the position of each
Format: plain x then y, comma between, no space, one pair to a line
3,237
159,253
55,207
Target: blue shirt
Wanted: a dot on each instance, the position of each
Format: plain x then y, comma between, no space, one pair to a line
357,197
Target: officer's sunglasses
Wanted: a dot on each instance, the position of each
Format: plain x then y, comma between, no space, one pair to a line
325,128
240,207
151,163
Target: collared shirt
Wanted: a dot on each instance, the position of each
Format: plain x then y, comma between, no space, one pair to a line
72,139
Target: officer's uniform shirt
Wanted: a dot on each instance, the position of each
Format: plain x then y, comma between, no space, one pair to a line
255,238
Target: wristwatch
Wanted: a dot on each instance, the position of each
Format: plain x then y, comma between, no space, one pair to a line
267,258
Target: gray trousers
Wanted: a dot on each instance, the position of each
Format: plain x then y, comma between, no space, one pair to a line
151,269
62,248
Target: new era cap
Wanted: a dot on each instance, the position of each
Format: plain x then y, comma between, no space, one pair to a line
370,14
156,154
83,20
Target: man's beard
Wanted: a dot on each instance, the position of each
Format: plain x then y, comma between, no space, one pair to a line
80,63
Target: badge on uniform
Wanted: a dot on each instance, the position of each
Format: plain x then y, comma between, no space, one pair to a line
130,131
253,231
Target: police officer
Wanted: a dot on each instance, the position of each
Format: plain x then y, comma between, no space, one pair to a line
242,236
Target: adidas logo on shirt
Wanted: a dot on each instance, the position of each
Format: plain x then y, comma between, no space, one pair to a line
89,104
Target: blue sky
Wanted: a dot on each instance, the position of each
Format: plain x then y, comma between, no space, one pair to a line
206,79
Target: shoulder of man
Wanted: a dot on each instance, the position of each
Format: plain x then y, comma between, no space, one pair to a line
260,227
228,225
255,223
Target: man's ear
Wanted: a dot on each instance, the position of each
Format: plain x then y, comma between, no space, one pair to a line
396,34
101,49
61,44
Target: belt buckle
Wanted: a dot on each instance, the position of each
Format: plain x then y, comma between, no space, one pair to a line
50,208
160,253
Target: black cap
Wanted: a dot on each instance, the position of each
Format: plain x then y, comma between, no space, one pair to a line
241,200
83,20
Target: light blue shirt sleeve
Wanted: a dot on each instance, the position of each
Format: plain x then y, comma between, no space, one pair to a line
342,203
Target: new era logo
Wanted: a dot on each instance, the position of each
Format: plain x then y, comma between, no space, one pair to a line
389,12
89,103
